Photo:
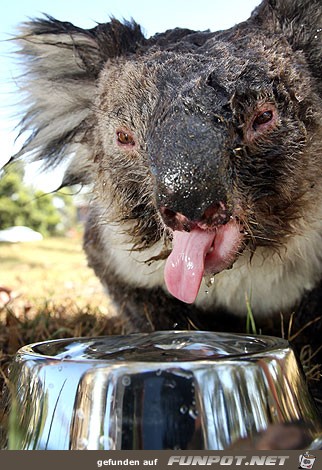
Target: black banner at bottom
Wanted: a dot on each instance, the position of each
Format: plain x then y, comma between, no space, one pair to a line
159,460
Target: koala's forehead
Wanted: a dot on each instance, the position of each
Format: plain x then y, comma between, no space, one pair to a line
126,82
142,81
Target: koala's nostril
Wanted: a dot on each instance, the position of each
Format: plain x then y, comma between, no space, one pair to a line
175,220
167,214
216,214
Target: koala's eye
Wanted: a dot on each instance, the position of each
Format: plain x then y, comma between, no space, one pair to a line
261,122
262,118
125,138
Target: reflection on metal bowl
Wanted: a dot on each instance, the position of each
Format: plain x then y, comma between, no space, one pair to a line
165,390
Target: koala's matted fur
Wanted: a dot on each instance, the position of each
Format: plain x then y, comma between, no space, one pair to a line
190,134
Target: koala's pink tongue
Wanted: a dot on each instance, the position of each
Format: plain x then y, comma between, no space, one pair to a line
197,253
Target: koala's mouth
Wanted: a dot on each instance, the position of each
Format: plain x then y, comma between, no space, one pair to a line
199,253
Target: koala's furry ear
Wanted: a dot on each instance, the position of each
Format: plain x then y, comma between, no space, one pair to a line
300,21
62,63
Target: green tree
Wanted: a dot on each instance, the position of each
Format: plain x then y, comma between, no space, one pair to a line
20,205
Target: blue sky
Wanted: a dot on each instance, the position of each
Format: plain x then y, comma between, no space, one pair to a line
153,17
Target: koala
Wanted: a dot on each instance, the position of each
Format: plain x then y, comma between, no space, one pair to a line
202,152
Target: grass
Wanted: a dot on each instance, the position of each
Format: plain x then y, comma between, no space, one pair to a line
53,294
54,268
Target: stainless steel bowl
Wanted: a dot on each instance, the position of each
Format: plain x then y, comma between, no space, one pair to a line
165,390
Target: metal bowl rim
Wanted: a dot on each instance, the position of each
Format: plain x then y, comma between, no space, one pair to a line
276,345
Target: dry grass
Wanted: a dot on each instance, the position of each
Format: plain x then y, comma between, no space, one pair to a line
54,268
51,286
53,295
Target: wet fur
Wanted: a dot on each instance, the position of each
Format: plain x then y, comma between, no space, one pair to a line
83,85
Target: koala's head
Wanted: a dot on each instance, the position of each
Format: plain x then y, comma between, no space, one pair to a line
211,140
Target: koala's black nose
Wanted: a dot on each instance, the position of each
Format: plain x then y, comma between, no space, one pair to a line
215,215
190,168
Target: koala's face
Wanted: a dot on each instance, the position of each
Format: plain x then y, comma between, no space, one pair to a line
208,151
207,139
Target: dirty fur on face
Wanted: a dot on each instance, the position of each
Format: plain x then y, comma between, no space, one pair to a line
203,154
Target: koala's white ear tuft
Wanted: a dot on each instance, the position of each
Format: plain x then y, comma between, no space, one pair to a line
62,63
